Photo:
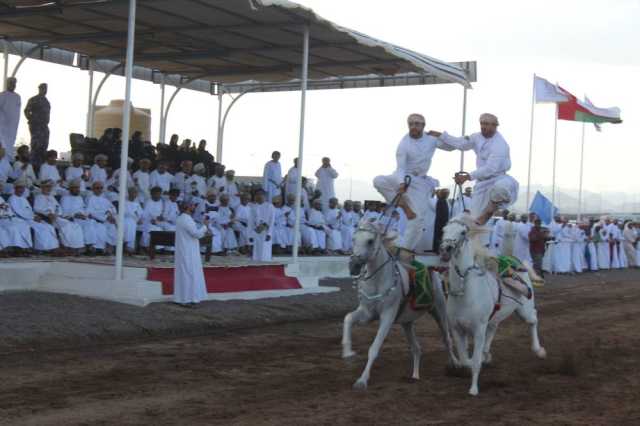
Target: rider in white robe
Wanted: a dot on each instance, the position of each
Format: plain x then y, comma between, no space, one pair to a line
272,176
10,104
261,225
45,238
494,187
188,283
413,159
326,175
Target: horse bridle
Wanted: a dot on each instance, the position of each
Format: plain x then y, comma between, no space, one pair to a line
458,244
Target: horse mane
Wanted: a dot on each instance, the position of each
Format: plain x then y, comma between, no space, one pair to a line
481,253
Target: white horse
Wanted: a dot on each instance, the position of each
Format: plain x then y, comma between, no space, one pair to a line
383,285
477,303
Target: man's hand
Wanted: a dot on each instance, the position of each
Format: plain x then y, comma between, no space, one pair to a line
434,133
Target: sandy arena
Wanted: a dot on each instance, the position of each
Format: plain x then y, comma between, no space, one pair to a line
292,373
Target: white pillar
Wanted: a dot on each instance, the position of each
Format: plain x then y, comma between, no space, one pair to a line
303,100
124,153
5,46
219,135
90,102
161,135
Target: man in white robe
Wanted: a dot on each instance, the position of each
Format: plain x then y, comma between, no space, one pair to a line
10,105
348,223
521,244
261,225
291,179
103,215
225,224
232,189
494,188
577,249
98,172
280,237
563,248
218,181
23,169
6,172
189,286
601,239
46,205
133,218
413,159
113,184
45,238
615,235
142,180
171,210
162,178
333,217
326,175
16,231
76,171
74,208
317,224
49,171
182,179
498,234
272,176
152,219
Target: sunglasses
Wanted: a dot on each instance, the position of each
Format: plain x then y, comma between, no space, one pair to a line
416,123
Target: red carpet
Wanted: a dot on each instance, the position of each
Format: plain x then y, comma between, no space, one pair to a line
226,280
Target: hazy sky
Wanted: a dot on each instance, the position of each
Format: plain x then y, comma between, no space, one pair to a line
590,47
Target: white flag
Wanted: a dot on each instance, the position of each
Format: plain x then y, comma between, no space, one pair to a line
547,92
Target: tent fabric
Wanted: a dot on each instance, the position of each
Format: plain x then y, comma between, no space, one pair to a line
220,42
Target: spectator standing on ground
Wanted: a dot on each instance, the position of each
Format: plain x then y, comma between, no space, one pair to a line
538,237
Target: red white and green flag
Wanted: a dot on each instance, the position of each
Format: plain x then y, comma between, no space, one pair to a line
576,110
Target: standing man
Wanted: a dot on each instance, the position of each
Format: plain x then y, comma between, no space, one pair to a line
37,113
326,176
189,286
538,238
9,116
413,159
442,216
272,177
494,187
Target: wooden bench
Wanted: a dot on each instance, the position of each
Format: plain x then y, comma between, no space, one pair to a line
168,238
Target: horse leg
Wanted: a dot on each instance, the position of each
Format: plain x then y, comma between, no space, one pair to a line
529,314
356,316
476,360
460,341
414,347
386,321
440,316
491,333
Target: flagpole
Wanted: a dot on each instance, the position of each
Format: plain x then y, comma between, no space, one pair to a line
581,174
555,146
533,101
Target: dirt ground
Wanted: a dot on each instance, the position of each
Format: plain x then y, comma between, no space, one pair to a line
292,373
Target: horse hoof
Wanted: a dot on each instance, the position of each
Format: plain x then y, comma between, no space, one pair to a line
348,354
413,379
360,385
487,359
473,391
541,353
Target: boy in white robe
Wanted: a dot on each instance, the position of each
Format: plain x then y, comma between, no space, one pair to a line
210,203
133,218
103,215
189,286
242,217
225,223
232,189
261,225
74,209
317,222
46,205
332,218
142,180
98,172
45,238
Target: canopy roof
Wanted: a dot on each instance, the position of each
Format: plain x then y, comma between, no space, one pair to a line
238,44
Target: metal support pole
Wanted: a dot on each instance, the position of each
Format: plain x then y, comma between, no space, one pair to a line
90,102
167,109
303,100
219,135
533,103
22,59
581,174
124,153
464,126
555,151
161,135
95,98
5,46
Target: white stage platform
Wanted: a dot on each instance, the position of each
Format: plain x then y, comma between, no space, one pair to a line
94,277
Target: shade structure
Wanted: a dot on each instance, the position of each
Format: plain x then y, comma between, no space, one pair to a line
205,44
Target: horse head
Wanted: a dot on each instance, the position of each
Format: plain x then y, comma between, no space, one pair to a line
367,243
454,235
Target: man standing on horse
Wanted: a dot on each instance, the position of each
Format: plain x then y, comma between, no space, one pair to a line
413,158
494,188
